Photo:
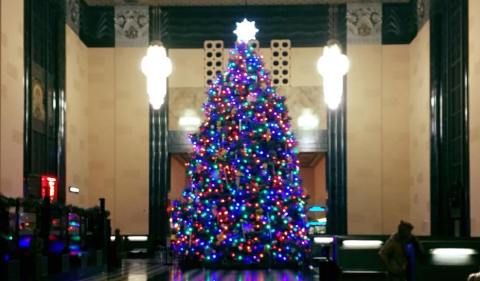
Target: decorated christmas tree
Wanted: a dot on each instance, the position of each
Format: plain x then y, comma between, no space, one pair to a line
244,203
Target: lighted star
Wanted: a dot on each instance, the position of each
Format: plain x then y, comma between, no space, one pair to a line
245,31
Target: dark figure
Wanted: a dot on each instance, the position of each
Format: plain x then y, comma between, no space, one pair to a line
118,248
398,253
115,250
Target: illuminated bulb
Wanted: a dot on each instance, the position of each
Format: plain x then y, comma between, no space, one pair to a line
156,66
333,65
245,31
307,121
189,121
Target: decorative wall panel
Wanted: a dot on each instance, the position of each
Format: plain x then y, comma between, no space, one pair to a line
423,12
298,99
73,15
364,23
96,26
131,26
189,27
308,141
305,26
399,24
280,62
213,60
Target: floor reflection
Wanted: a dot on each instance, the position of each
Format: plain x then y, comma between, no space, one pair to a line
239,275
153,270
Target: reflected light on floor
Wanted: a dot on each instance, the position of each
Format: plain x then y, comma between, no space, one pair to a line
237,275
137,277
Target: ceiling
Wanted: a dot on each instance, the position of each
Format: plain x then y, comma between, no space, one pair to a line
227,2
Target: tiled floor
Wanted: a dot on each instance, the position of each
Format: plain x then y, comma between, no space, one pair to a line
151,270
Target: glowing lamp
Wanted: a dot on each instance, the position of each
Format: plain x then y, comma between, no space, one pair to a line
245,31
156,66
189,121
307,121
333,65
323,240
453,256
362,244
137,238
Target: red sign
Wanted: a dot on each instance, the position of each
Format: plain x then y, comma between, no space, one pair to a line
49,188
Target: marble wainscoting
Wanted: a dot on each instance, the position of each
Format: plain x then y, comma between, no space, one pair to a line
299,99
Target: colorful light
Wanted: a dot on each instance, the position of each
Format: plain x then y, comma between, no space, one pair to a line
244,203
74,234
49,188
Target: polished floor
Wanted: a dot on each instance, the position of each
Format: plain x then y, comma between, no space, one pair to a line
153,270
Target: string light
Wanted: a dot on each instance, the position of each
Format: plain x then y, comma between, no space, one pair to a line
244,203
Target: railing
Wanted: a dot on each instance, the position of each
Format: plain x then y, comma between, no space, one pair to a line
49,238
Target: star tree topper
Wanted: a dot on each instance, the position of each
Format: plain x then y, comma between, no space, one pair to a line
245,31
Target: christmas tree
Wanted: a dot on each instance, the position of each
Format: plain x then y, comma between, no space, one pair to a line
244,203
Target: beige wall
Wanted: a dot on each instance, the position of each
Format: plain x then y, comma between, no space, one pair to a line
77,157
395,136
474,110
364,140
101,117
420,131
388,136
118,138
11,98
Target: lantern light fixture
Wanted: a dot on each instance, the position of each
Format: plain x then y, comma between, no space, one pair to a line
156,66
333,65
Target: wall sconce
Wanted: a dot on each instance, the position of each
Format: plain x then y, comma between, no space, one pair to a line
189,121
156,66
308,120
333,65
